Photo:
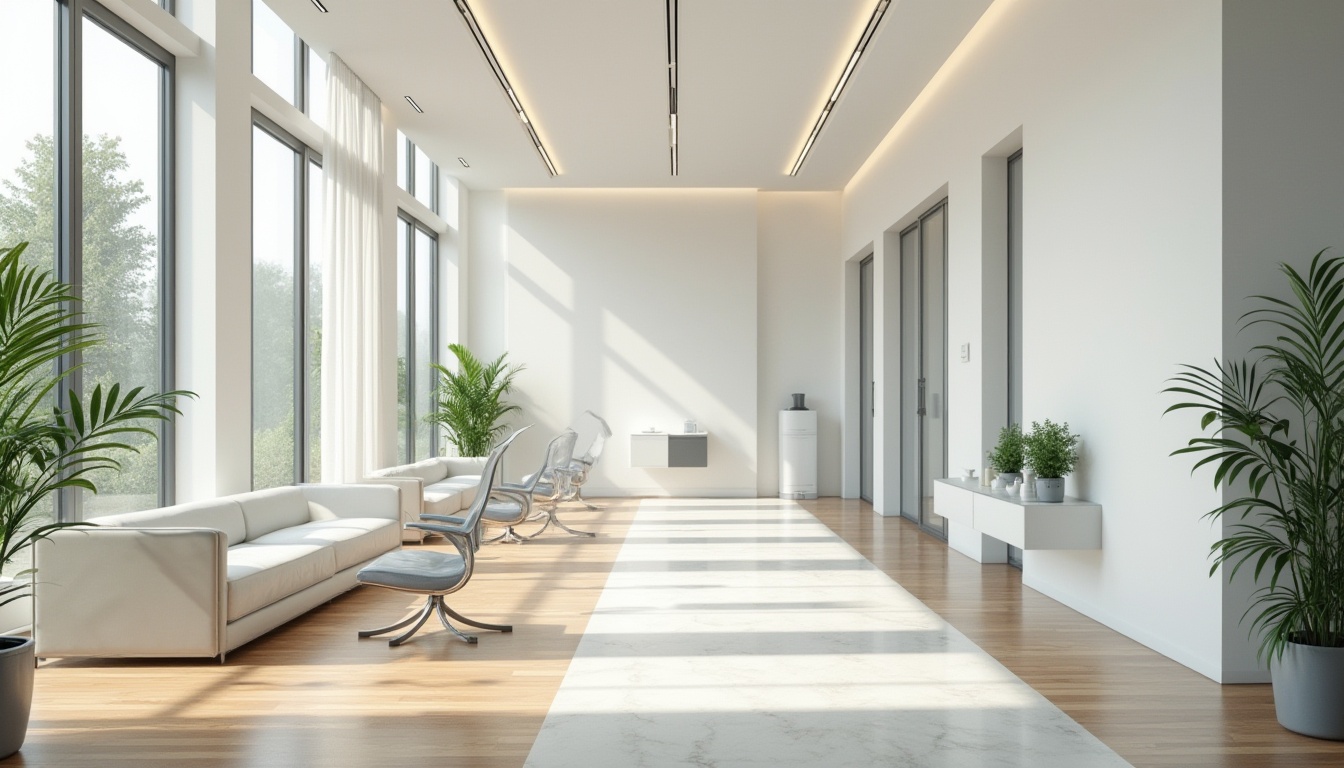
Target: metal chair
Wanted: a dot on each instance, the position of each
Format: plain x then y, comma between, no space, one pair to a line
549,485
437,574
584,464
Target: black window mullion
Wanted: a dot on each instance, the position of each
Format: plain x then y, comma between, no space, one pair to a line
69,150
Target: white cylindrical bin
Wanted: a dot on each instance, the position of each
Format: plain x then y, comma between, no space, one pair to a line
797,454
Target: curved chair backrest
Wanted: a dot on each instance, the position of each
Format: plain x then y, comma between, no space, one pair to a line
472,518
558,454
594,451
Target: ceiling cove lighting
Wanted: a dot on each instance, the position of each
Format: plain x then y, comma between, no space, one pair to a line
414,106
320,6
489,53
672,80
864,39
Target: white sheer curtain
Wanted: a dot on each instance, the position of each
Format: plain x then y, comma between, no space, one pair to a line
352,162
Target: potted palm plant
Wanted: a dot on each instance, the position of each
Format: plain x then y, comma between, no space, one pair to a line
1052,452
46,447
1007,458
1277,424
470,405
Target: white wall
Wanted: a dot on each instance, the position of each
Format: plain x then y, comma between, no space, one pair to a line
641,306
1119,108
1283,172
799,296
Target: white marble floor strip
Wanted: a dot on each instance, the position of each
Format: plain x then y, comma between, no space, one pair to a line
746,633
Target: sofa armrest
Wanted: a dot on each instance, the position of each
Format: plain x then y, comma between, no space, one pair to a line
412,494
463,465
131,592
330,501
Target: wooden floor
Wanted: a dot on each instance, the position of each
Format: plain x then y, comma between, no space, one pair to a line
310,694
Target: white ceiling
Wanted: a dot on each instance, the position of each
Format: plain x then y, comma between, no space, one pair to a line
592,75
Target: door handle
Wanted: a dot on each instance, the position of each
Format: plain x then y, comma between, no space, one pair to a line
920,409
872,398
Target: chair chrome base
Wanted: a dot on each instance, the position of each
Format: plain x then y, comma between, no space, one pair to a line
551,519
509,536
433,605
578,496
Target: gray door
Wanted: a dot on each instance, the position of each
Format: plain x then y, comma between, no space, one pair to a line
867,387
1015,306
923,255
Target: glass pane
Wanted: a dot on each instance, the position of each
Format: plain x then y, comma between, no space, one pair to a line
403,337
402,180
424,338
911,421
121,208
317,248
274,170
934,438
317,88
27,156
424,180
274,49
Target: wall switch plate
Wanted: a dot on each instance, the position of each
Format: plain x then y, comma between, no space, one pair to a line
965,353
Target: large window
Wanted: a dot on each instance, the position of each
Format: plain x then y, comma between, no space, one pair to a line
416,173
417,337
286,307
286,64
86,179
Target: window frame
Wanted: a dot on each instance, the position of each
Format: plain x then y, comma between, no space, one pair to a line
68,137
305,155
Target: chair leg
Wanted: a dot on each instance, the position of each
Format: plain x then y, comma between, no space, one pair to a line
569,530
439,608
418,620
578,496
472,622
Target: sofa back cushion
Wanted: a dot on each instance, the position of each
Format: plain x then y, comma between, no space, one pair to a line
220,514
429,470
273,509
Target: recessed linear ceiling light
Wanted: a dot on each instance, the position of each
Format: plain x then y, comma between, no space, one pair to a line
503,79
320,6
826,110
463,161
672,80
414,106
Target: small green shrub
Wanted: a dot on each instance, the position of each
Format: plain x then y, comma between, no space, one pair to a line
1007,456
1051,450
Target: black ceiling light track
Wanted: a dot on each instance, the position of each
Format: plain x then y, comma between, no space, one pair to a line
672,81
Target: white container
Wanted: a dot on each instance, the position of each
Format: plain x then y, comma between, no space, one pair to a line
797,454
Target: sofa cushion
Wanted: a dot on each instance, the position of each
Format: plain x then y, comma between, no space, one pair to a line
220,514
353,539
261,574
273,509
459,491
429,470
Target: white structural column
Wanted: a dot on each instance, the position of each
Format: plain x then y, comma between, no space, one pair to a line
352,337
746,633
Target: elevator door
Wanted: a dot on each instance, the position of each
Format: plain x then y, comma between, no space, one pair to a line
923,257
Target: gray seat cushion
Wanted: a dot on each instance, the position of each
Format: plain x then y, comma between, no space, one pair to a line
354,539
416,570
503,512
261,574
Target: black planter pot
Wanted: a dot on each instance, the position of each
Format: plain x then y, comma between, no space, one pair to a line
1309,690
16,691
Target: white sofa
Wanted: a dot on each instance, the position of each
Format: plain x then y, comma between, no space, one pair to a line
201,579
443,485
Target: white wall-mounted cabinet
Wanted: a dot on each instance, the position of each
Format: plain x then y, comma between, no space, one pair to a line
1070,524
664,449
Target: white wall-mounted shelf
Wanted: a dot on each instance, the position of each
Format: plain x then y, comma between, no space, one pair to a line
1070,524
669,449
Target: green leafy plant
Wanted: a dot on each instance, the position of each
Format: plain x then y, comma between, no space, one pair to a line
1051,450
1278,423
46,446
470,404
1008,455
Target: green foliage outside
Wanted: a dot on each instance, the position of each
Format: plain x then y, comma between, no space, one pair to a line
1278,426
119,287
470,404
1050,449
44,449
1008,456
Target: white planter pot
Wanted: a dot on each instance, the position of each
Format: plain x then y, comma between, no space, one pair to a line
1309,690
